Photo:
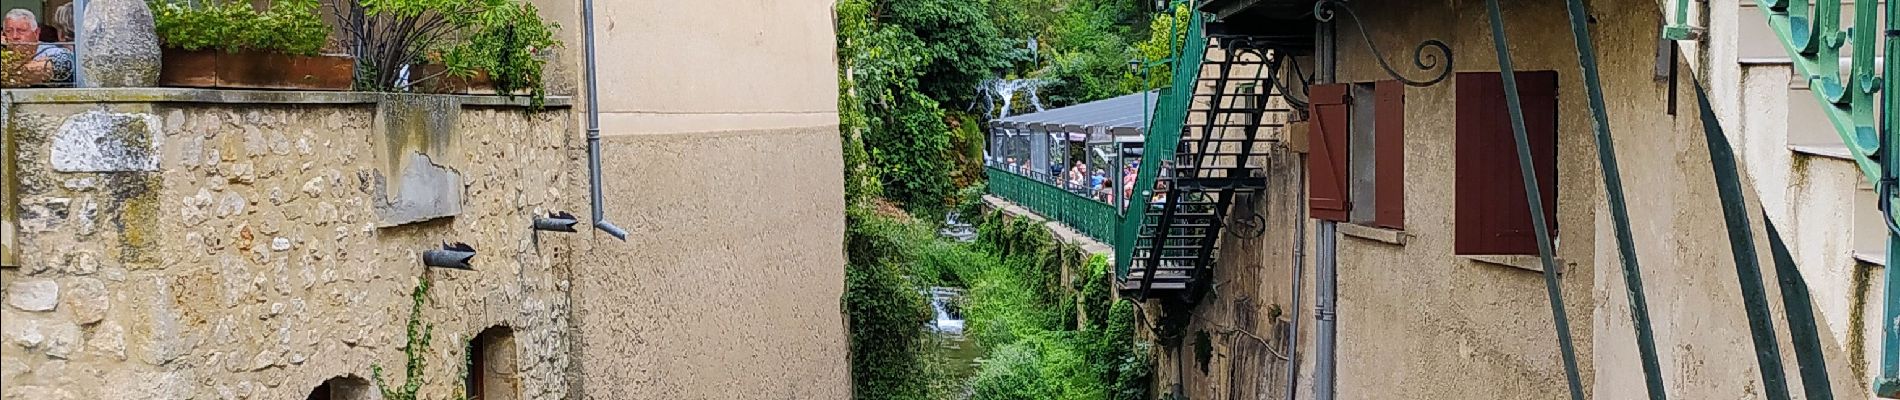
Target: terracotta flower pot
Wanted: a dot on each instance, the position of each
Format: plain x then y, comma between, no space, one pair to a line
435,80
256,70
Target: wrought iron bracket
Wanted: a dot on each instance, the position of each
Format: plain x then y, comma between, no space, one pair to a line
1324,11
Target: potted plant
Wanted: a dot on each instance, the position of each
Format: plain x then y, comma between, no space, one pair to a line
230,44
450,46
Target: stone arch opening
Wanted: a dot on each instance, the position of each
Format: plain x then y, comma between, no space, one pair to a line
492,367
347,387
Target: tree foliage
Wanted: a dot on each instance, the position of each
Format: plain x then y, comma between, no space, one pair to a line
290,26
960,43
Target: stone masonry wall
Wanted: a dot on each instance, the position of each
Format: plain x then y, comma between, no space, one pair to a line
190,244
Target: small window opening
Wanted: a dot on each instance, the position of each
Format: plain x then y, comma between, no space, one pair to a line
492,366
348,387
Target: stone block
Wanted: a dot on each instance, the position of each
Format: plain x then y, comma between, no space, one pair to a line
100,141
418,155
121,42
87,299
34,295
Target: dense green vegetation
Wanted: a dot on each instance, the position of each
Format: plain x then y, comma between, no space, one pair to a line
912,125
909,72
1048,339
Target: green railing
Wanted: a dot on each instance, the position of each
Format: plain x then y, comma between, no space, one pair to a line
1101,220
1813,37
1092,218
1163,134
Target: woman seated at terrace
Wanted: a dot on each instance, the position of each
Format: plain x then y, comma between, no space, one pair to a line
1076,175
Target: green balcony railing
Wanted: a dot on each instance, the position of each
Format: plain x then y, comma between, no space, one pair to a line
1163,133
1103,221
1860,110
1091,217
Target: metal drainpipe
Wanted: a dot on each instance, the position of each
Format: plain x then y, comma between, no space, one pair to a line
1299,269
593,131
1326,270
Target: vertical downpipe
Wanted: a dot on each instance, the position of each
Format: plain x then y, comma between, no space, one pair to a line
1327,245
1299,272
593,131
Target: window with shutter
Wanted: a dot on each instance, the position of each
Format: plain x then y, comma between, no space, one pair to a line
1389,117
1492,217
1326,160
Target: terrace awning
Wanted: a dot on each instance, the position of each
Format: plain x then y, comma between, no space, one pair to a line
1118,116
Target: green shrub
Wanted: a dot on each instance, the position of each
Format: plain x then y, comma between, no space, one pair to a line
289,26
502,40
887,316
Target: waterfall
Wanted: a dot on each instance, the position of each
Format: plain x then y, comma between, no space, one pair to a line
943,302
999,95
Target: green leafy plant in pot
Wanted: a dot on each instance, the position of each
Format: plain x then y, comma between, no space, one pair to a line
232,44
449,45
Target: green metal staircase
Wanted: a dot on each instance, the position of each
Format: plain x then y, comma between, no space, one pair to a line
1200,156
1858,106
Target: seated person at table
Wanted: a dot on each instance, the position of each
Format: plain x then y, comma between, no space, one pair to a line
20,33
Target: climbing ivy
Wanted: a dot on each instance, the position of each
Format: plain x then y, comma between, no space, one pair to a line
414,349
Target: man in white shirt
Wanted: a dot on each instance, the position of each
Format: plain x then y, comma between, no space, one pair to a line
20,32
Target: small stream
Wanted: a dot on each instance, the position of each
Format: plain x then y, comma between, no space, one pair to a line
960,355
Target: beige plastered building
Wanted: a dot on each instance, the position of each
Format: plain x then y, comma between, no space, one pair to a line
1417,321
225,244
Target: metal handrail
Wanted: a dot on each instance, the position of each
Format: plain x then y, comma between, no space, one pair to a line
1813,36
1163,135
1091,217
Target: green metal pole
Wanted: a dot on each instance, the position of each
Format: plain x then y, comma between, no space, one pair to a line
1533,195
1742,245
1799,305
1888,383
1613,188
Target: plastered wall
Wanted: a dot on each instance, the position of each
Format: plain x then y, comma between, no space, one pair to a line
1419,322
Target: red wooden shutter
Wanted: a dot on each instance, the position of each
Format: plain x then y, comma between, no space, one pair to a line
1492,217
1389,171
1326,161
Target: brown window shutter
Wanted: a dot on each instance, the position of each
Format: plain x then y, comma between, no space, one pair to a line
1389,172
1326,161
1492,217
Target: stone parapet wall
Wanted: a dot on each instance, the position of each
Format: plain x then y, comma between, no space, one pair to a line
177,243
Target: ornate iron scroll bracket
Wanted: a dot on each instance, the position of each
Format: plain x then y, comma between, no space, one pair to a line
1324,12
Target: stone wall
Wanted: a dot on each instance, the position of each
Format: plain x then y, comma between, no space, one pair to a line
220,244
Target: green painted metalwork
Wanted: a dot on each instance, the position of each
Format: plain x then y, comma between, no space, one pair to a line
1163,135
1090,217
1803,37
1805,332
1680,30
1888,383
1812,36
1613,189
1742,245
1533,194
